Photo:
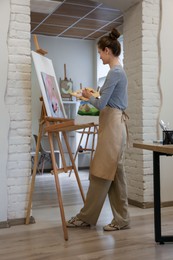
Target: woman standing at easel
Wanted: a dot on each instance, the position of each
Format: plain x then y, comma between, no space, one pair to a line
107,176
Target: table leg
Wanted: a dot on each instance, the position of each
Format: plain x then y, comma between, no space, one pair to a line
157,206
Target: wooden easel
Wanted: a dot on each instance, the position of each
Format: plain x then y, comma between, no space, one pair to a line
37,47
91,130
54,127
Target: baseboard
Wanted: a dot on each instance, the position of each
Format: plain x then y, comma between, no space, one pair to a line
147,205
15,222
4,224
167,204
142,205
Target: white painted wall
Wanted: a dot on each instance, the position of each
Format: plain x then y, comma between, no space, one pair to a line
166,82
4,23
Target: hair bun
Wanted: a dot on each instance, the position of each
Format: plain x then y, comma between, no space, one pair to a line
114,34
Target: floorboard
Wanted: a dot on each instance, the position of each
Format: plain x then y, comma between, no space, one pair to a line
44,239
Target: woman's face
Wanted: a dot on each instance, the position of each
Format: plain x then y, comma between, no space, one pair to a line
104,55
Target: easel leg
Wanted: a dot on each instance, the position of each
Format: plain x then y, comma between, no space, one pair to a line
79,144
58,186
73,165
78,147
61,152
33,175
87,138
93,141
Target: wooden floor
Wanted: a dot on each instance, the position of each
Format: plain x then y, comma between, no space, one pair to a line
44,239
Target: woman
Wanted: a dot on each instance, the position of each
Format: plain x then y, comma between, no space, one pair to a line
107,176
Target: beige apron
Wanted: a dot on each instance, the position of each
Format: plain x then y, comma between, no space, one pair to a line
111,143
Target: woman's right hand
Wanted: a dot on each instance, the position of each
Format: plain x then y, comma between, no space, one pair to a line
86,93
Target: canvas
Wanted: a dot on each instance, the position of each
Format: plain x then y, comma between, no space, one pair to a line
49,86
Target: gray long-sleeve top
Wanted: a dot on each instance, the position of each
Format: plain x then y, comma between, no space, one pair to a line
114,90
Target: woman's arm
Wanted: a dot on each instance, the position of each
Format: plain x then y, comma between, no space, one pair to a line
106,91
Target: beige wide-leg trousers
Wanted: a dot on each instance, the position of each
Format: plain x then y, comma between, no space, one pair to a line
96,195
107,171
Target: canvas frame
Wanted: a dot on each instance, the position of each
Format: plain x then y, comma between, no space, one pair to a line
44,66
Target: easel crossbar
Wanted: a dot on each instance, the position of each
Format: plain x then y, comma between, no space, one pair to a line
60,170
57,127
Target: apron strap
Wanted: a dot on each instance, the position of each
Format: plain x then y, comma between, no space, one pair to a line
124,118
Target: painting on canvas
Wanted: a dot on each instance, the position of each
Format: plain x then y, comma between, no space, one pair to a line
52,94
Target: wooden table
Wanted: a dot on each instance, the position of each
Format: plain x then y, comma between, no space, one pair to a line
158,150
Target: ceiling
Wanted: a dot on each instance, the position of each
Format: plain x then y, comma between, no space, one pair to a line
80,19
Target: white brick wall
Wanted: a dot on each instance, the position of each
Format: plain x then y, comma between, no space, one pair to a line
141,25
18,100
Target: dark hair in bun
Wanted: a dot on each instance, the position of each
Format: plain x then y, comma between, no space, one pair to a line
114,34
110,41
